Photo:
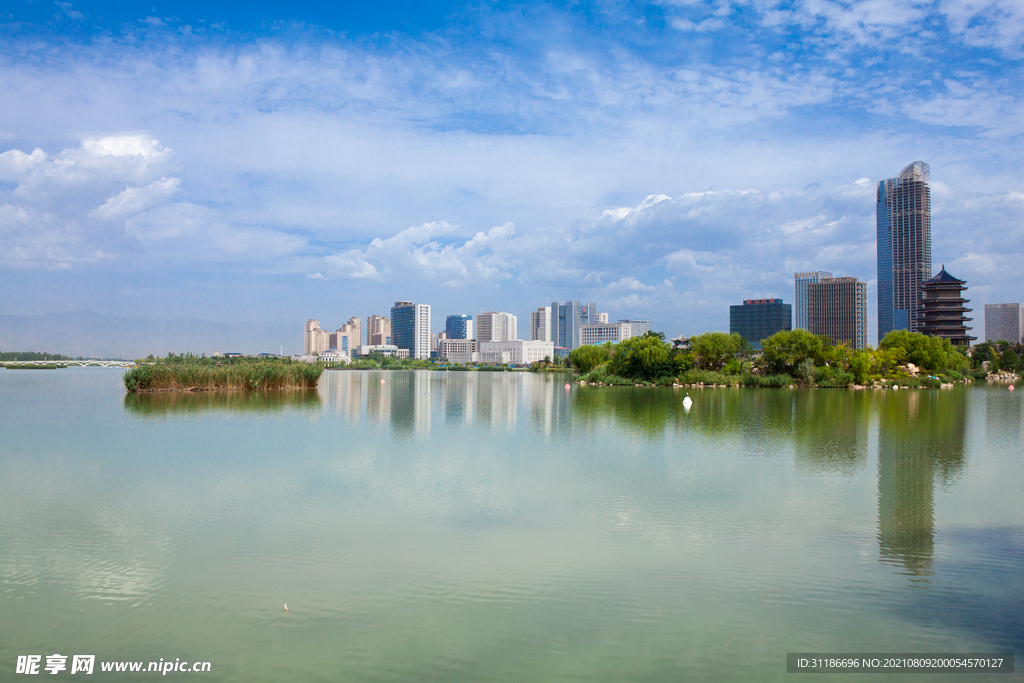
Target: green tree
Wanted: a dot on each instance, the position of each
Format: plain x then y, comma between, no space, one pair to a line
645,358
932,354
860,366
1010,360
586,358
784,351
712,350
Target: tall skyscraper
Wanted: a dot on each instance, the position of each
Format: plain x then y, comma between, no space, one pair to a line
566,318
410,328
378,330
459,326
800,296
540,324
759,319
495,326
837,307
903,215
1004,322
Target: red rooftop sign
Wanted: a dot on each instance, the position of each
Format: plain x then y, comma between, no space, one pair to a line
754,302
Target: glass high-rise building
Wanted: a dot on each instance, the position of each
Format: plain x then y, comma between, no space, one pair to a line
759,319
410,328
459,326
566,319
800,296
903,214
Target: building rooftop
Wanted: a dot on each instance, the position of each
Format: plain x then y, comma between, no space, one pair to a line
943,278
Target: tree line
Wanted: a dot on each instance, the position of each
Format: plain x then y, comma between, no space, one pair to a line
787,357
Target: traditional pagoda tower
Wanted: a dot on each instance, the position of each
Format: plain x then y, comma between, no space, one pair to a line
943,309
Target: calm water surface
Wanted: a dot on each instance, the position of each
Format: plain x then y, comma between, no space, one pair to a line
497,527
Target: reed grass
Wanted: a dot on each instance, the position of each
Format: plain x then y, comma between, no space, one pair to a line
249,376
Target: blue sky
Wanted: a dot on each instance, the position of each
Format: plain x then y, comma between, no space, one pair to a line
256,163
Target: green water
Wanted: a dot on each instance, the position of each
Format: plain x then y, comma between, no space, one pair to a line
498,527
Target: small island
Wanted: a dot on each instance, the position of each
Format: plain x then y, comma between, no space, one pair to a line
199,373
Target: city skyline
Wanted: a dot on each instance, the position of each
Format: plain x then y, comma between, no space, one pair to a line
196,176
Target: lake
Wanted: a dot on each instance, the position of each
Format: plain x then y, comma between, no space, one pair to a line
484,526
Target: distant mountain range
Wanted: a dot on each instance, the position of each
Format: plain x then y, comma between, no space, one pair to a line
91,334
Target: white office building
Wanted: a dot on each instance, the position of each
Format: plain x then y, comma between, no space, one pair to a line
604,332
516,352
639,327
495,326
335,355
540,324
461,351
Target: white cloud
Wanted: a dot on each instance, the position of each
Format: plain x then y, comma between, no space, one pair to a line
133,200
712,24
417,252
110,197
16,166
624,211
987,23
61,211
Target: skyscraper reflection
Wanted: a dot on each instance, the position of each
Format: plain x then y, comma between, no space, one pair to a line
920,440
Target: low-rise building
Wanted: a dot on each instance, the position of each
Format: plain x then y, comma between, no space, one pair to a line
461,351
389,350
640,327
334,355
517,352
599,333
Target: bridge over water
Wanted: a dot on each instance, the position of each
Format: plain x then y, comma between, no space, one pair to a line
76,363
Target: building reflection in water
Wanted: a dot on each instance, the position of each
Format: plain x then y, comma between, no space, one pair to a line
920,443
408,401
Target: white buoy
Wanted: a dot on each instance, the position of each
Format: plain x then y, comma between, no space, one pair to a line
687,402
895,387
